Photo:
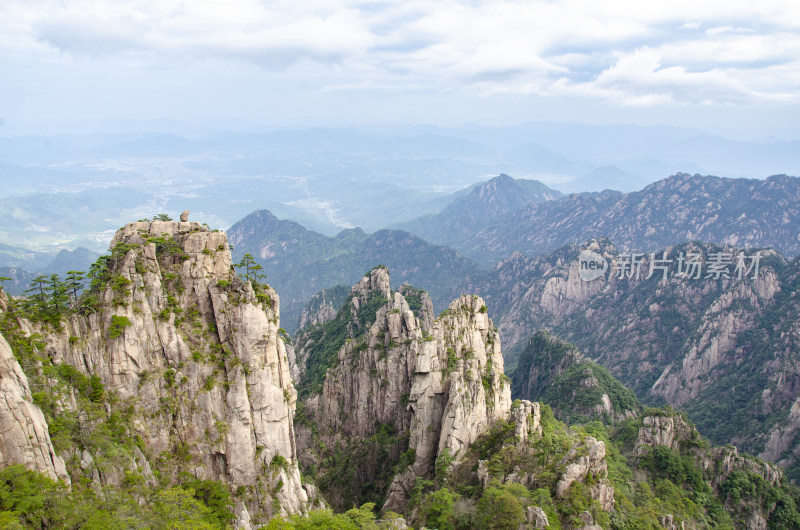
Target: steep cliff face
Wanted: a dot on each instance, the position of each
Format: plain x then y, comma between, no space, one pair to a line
25,438
430,387
323,306
195,352
715,347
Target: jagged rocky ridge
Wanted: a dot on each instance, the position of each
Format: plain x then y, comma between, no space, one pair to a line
432,386
193,354
718,348
682,207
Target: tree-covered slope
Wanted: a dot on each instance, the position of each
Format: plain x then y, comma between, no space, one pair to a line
578,390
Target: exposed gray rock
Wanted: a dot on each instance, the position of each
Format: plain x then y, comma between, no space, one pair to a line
668,431
24,438
536,517
443,386
242,521
207,344
578,468
527,420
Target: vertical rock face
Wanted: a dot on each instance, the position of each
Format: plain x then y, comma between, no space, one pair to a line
322,307
667,431
198,351
441,381
591,463
25,439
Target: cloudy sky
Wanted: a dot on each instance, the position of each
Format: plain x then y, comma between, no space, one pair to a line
723,65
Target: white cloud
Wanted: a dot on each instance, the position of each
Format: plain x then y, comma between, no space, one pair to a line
627,53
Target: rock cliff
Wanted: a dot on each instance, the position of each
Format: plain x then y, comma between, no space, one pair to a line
715,347
25,438
171,331
429,387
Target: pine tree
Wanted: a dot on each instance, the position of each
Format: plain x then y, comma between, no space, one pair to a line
252,270
75,283
37,295
58,294
98,273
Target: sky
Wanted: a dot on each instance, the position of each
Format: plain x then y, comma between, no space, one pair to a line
724,66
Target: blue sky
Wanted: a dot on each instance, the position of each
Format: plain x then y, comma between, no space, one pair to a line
729,66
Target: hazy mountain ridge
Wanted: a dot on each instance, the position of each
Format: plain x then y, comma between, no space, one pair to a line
79,259
301,262
741,212
476,210
334,178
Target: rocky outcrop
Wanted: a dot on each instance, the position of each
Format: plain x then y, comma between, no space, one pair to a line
585,460
198,350
716,348
24,438
527,419
441,381
781,444
673,431
536,518
667,430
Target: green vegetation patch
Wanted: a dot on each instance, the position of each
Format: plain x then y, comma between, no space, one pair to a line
324,341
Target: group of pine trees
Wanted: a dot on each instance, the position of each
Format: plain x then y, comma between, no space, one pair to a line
49,297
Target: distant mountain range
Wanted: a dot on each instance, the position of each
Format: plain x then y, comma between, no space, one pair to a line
741,212
66,260
75,190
